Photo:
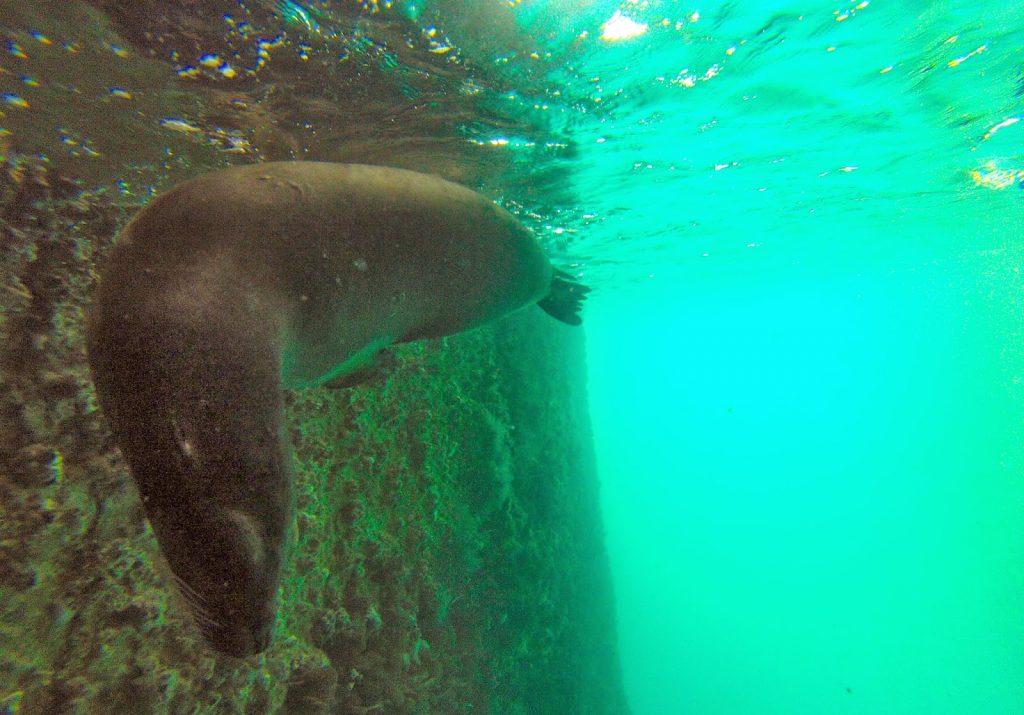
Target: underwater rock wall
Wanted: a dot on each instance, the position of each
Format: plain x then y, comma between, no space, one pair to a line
447,551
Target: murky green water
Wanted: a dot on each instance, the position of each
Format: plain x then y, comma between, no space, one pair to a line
802,222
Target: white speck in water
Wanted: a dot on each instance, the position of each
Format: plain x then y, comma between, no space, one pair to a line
360,264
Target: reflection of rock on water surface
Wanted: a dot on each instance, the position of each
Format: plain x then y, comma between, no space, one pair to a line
152,97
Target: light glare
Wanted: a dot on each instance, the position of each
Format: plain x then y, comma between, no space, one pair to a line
620,27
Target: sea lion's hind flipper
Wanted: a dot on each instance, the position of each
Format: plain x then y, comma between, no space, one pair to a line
371,374
565,299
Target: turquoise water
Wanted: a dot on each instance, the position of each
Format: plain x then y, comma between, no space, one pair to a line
806,380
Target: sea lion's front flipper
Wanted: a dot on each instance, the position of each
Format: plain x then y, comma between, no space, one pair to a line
193,396
374,372
565,299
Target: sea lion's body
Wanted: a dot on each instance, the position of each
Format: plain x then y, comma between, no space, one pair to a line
238,283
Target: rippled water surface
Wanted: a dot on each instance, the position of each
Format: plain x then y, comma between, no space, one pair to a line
712,131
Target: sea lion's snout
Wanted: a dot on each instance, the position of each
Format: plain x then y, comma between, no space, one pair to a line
242,643
229,580
222,528
239,643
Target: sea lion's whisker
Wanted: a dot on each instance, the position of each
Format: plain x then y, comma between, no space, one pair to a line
185,588
195,603
202,618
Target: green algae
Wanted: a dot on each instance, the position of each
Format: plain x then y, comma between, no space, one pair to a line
446,554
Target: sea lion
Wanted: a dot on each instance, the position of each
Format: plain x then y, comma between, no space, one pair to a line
236,284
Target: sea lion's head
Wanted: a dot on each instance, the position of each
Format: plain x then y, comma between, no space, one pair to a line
229,580
221,503
196,407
